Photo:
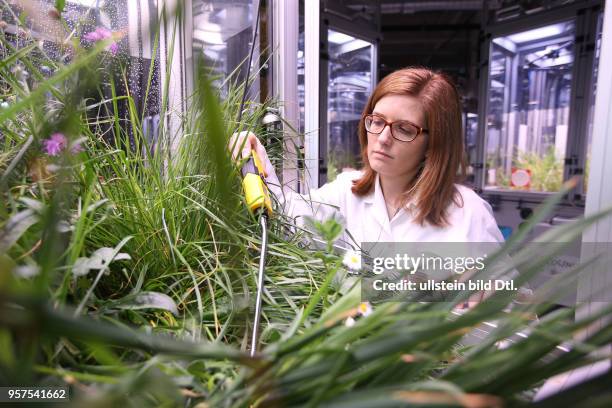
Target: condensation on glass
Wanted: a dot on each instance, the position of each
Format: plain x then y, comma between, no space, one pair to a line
530,82
222,35
301,70
37,22
133,24
350,84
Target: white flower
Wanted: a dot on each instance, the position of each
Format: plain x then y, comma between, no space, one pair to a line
352,260
502,344
365,309
27,271
350,322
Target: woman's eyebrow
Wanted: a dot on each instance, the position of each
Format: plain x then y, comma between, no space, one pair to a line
386,118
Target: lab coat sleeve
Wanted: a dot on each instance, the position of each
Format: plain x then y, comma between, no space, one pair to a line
320,204
488,231
483,236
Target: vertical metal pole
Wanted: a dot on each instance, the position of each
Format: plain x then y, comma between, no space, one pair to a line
311,92
284,81
172,65
599,195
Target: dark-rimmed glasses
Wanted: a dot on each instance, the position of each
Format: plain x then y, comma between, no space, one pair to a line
402,130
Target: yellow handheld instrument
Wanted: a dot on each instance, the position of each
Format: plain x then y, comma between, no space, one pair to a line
255,190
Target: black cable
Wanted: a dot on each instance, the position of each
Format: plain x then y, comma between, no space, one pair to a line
246,82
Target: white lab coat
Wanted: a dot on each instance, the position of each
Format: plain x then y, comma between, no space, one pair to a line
366,218
366,221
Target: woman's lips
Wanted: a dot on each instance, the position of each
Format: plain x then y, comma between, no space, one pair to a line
382,154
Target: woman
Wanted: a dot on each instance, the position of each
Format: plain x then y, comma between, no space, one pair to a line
412,150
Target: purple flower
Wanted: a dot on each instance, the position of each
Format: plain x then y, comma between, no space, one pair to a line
55,144
113,48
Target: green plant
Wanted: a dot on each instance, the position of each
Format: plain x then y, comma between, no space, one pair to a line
546,170
189,242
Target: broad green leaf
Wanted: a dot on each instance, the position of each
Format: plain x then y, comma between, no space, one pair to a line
59,5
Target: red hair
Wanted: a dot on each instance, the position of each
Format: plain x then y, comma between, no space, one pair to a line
434,185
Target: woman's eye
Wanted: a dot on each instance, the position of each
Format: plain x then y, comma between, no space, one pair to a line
406,130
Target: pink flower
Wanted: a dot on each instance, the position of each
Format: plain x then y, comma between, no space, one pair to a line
55,144
92,36
100,34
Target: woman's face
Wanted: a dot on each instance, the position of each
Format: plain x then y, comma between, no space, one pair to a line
390,157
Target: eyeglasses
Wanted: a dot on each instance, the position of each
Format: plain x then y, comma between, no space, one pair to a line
402,130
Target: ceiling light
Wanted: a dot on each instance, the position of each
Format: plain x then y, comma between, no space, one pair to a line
539,33
338,38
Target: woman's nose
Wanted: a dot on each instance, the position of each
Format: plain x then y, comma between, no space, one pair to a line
385,136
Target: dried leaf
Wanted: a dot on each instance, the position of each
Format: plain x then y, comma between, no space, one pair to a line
15,227
150,300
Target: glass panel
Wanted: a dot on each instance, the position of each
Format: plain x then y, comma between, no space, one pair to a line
84,20
222,33
40,22
350,84
530,80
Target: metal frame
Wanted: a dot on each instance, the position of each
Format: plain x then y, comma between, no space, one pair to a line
311,93
599,197
283,74
282,40
176,28
583,64
586,55
336,20
599,194
284,46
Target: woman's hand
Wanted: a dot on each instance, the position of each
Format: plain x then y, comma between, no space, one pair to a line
241,144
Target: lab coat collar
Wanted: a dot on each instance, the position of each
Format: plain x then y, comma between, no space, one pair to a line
377,199
378,207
